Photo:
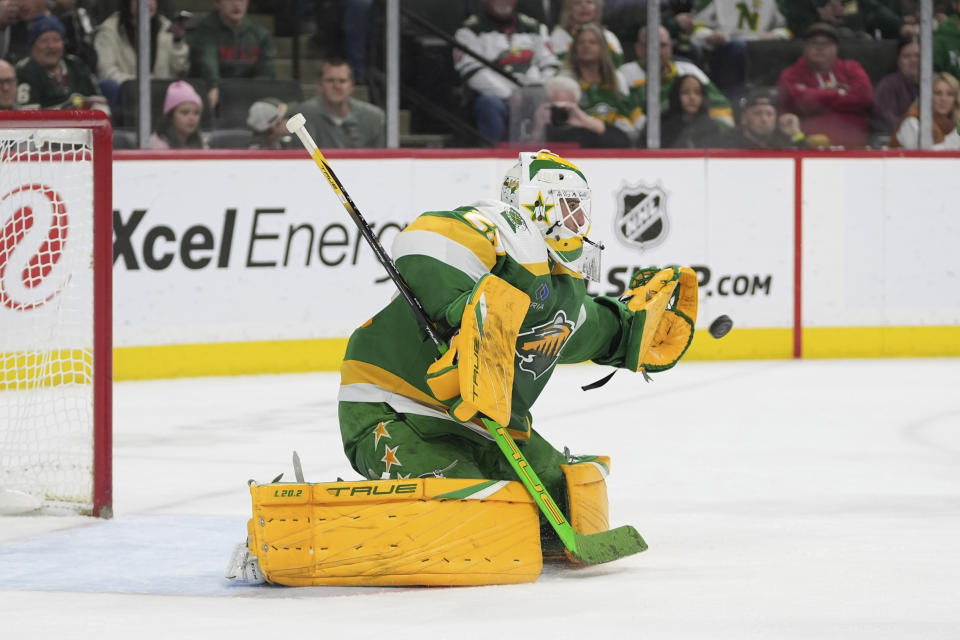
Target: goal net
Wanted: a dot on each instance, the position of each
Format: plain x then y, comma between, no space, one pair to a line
55,316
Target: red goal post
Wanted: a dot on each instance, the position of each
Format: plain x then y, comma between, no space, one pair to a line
56,257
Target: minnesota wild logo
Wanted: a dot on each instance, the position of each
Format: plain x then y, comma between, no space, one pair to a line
539,348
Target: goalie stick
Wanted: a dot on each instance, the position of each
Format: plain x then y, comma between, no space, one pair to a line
594,548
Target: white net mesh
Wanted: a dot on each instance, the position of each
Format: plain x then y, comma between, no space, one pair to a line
46,316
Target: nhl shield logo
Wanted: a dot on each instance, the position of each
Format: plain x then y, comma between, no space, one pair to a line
641,220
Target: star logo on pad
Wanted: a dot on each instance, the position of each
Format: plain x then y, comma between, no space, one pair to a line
390,458
380,432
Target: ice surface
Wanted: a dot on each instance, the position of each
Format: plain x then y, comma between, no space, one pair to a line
808,499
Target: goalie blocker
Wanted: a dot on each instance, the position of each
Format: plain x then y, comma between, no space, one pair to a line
431,532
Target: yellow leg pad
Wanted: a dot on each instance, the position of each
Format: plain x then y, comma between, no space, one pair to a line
587,494
430,531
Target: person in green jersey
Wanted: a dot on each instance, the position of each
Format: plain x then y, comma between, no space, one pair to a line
51,78
534,238
604,92
671,69
573,15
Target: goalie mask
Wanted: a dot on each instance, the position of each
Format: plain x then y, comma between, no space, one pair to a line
552,193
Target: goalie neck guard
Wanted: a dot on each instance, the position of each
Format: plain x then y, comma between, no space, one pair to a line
554,195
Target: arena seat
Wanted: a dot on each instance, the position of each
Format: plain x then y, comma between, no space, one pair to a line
124,138
878,57
447,15
237,94
229,138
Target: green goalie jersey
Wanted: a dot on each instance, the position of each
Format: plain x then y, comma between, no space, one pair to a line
442,255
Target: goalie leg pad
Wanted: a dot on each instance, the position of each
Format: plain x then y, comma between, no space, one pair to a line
433,531
587,494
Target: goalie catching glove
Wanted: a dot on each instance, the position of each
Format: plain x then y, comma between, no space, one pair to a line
664,306
475,375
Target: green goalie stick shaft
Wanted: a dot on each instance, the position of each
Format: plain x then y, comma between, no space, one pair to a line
590,548
593,548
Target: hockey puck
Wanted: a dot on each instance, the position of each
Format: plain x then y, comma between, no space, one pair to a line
721,326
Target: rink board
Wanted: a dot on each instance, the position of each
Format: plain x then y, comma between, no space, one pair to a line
879,242
245,264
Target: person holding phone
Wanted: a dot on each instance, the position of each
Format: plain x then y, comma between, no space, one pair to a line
117,53
560,119
602,90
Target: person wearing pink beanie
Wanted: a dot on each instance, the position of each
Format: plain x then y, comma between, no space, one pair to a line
180,126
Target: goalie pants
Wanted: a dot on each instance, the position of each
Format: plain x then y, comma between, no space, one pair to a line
381,443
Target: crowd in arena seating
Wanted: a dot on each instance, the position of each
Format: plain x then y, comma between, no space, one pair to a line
211,73
708,97
765,74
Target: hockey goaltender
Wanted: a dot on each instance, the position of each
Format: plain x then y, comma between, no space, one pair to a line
436,391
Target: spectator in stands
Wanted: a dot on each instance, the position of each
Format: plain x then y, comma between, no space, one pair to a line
75,37
723,27
8,86
180,126
580,12
898,90
267,120
604,92
789,126
100,10
890,19
946,44
8,17
337,120
687,123
670,70
831,96
79,30
758,126
878,19
941,9
51,79
511,41
18,45
169,53
560,119
678,20
227,44
843,15
946,113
